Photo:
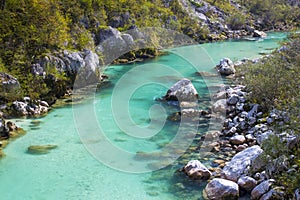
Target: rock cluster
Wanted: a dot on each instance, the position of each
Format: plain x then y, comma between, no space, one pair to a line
216,20
29,108
245,128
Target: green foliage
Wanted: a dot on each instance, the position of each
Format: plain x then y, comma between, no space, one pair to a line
236,21
276,154
275,83
274,13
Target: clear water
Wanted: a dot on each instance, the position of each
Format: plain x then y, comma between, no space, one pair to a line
72,172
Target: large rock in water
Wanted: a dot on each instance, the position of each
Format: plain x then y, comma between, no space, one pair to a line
221,189
8,83
196,170
226,67
240,163
258,33
181,91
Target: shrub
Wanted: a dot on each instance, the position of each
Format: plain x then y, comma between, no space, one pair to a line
236,21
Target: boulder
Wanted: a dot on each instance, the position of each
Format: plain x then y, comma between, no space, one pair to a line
247,183
221,189
258,33
8,84
226,67
220,106
233,99
240,163
237,139
196,170
183,90
261,189
276,193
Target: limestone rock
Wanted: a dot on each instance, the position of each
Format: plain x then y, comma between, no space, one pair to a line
183,90
196,170
226,67
221,189
261,189
238,139
220,106
258,33
247,183
241,163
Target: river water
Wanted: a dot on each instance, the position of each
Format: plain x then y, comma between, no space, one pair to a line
83,166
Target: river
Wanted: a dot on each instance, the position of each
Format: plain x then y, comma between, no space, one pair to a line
76,171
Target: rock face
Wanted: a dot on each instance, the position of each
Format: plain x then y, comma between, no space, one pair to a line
181,91
196,170
226,67
221,189
240,163
257,33
8,83
87,62
261,189
111,43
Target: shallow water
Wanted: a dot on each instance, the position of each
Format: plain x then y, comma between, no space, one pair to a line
73,170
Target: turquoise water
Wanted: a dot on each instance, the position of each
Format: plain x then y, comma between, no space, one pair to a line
125,115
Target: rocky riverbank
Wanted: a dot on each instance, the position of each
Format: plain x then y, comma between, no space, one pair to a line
241,169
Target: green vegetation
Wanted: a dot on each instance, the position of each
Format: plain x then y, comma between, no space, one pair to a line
275,84
273,13
236,21
30,29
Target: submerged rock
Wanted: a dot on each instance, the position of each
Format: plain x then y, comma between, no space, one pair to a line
196,170
221,189
40,149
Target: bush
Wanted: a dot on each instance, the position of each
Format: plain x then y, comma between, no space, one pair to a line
275,83
236,21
